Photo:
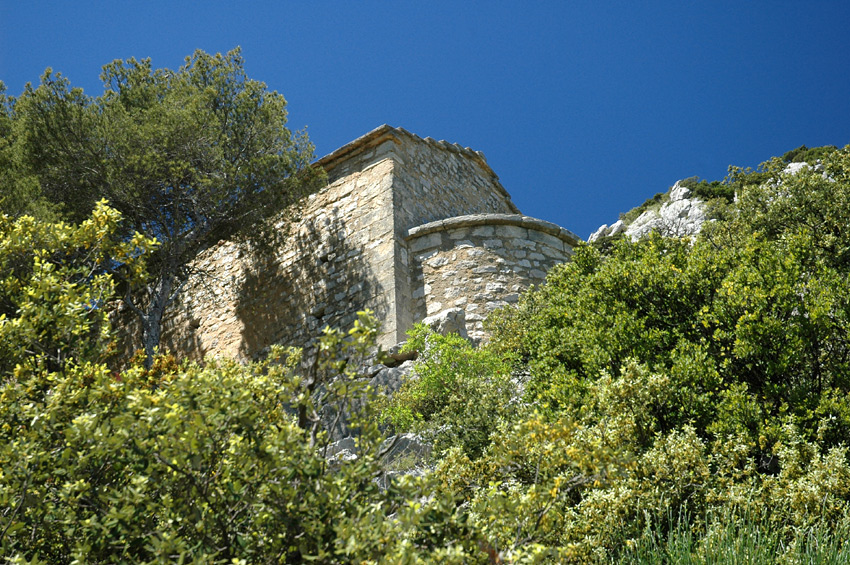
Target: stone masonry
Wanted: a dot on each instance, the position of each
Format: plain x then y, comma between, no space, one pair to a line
479,263
407,227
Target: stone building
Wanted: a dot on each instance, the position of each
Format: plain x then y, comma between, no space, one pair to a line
407,227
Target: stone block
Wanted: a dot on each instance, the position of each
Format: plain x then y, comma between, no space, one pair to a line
433,308
511,232
545,238
426,242
483,231
485,269
452,320
437,261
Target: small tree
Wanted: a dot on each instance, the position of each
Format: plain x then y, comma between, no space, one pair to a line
189,157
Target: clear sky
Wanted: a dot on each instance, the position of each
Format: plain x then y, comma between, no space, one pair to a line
583,109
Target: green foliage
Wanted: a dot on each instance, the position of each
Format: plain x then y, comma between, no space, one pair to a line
706,190
805,155
204,465
652,203
458,392
55,291
680,378
218,463
188,156
19,190
719,192
731,538
670,400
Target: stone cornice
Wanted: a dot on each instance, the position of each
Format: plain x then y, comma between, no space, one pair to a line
518,220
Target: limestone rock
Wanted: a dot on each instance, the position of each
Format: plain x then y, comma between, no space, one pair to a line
682,215
679,192
405,446
607,231
794,168
451,320
617,227
344,449
645,223
389,379
601,231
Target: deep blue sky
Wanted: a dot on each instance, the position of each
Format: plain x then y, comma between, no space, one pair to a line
583,109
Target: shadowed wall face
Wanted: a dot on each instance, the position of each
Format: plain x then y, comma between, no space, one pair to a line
336,259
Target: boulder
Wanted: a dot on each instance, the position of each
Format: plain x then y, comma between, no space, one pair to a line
601,231
389,379
679,192
405,446
617,227
452,320
794,168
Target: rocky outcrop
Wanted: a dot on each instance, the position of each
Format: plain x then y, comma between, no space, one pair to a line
680,216
794,168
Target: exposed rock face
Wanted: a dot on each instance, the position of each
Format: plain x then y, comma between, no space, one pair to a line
794,168
390,379
680,216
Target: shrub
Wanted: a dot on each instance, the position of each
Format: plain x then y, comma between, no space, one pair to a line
457,393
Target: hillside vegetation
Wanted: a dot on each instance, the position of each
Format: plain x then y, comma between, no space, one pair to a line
673,400
672,389
668,400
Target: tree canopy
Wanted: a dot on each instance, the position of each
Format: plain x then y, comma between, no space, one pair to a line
188,156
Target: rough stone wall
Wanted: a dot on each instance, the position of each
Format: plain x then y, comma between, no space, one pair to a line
338,259
434,180
384,235
482,262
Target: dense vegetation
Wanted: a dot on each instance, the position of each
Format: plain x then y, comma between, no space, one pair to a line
672,392
186,156
664,401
